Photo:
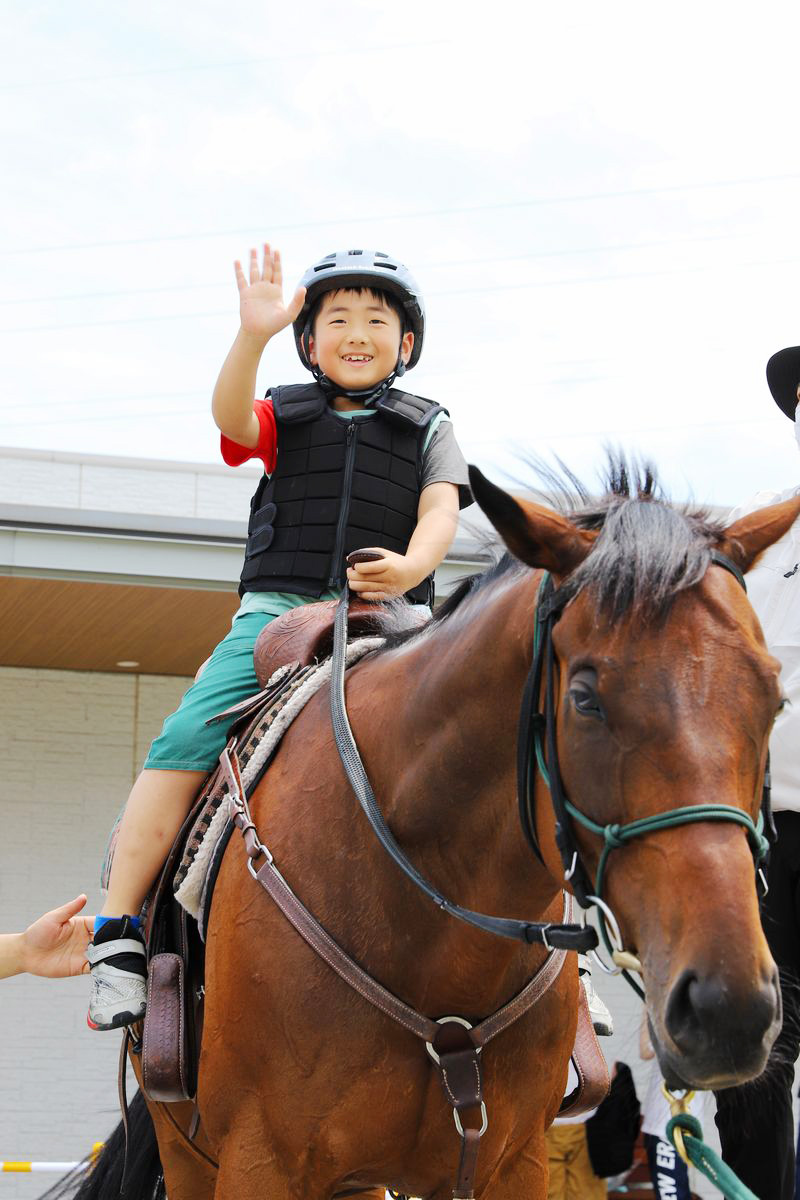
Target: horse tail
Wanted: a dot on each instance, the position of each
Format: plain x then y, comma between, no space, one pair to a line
101,1178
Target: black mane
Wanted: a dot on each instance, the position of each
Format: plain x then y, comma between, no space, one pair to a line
647,551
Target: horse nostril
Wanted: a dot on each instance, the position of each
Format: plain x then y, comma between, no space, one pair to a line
701,1013
680,1017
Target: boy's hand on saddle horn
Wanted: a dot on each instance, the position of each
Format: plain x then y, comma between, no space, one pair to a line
384,576
261,308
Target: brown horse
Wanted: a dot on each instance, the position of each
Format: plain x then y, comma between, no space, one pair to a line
664,699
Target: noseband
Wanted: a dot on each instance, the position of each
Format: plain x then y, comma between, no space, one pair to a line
537,748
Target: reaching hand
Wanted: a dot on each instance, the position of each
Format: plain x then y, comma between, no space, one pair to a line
55,945
261,308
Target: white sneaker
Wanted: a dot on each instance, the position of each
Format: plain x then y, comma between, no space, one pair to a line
119,976
601,1018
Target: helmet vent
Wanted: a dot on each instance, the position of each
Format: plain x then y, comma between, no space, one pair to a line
323,266
355,251
387,266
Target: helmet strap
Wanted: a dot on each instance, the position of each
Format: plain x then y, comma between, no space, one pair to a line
367,396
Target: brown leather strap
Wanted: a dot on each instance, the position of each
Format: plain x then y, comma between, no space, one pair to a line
454,1045
190,1145
259,700
589,1063
533,991
122,1089
344,966
468,1164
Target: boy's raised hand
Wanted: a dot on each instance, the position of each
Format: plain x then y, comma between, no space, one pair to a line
261,307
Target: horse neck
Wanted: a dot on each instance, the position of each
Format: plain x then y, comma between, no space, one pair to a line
447,781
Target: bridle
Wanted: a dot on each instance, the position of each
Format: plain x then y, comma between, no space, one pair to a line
537,749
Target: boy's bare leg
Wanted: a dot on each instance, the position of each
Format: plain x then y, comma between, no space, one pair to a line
156,809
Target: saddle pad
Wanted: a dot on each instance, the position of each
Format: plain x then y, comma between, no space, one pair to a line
193,884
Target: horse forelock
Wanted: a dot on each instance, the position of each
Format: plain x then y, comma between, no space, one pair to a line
648,549
647,552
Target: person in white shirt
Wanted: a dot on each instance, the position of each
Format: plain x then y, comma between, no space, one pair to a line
755,1122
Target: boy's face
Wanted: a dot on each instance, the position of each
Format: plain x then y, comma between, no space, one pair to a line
356,339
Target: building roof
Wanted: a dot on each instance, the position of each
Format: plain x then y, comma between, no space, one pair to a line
111,561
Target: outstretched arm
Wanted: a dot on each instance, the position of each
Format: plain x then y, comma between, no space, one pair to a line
262,314
394,574
53,946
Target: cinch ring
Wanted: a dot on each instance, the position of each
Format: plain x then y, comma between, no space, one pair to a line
484,1120
444,1021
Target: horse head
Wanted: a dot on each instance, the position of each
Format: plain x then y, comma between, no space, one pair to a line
663,698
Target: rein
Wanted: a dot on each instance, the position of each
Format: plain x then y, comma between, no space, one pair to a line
561,937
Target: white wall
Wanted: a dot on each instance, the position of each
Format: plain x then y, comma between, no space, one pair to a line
95,482
70,745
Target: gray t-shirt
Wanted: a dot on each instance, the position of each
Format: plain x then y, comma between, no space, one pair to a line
442,460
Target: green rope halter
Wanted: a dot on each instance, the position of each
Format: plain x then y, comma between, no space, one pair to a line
616,836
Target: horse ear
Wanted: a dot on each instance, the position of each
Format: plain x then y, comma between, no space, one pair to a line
750,536
535,534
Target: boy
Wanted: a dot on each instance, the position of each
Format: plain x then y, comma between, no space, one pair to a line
350,463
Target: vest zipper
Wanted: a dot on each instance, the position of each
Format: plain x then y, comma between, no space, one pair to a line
349,465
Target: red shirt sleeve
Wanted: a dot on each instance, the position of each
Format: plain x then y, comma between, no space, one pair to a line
267,449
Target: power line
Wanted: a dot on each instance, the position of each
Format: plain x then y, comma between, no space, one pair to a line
349,51
420,214
528,285
570,433
613,247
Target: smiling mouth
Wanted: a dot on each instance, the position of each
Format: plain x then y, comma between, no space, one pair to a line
357,359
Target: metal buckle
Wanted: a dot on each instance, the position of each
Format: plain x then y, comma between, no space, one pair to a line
262,849
484,1120
678,1105
622,958
445,1021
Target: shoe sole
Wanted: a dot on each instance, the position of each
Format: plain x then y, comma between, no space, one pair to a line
119,1021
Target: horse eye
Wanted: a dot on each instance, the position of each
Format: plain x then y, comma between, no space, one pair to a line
585,702
784,703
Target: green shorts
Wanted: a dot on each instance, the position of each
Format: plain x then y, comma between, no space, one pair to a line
186,743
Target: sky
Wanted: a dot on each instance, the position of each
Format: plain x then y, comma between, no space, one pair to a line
600,204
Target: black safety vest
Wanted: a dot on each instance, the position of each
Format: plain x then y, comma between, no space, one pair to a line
338,486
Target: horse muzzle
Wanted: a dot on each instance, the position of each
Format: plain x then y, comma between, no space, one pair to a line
716,1036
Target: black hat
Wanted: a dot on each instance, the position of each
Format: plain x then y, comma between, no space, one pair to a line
783,376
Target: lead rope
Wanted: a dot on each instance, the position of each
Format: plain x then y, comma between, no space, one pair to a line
686,1134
